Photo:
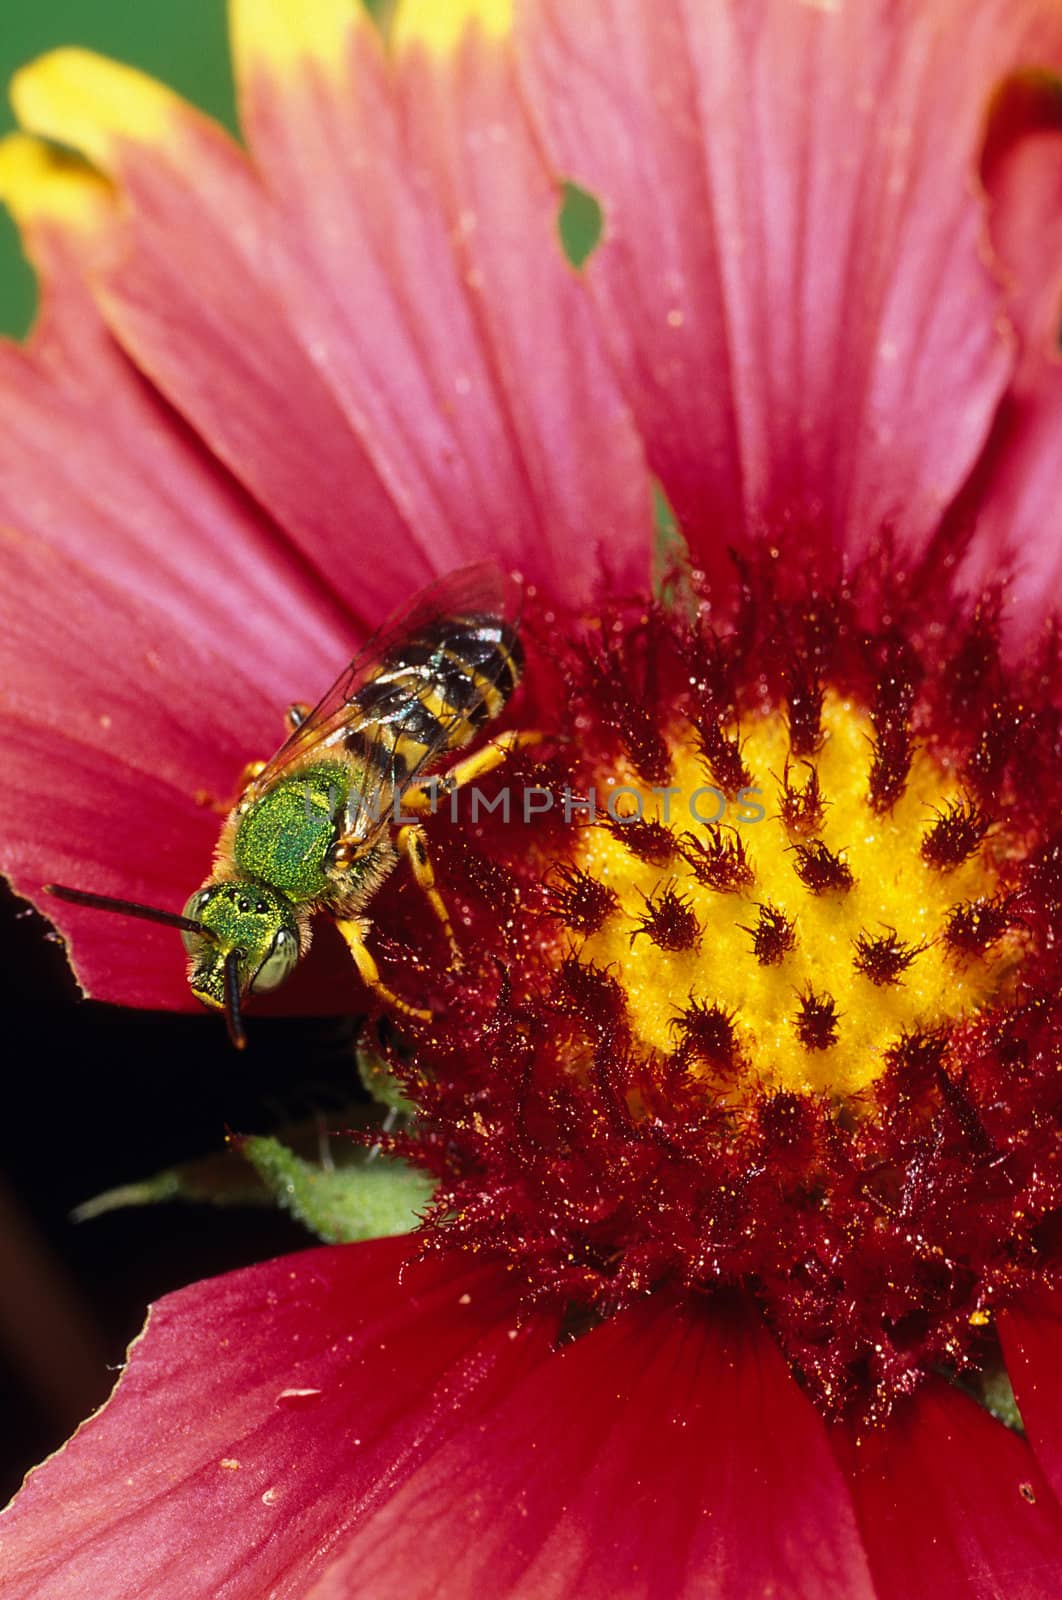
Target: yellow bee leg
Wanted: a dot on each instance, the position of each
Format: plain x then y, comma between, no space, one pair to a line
250,772
411,841
424,797
296,715
354,930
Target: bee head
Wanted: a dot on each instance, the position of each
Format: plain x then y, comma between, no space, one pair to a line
247,941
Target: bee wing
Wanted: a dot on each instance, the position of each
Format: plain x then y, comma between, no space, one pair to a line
480,591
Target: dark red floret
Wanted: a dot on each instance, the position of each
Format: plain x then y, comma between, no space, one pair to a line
975,925
955,835
669,921
883,958
802,808
722,755
816,1020
819,869
651,841
581,901
720,862
773,936
707,1034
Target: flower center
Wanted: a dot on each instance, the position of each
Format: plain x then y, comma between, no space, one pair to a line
783,1015
792,936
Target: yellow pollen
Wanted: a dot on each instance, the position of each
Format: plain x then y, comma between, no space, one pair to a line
890,903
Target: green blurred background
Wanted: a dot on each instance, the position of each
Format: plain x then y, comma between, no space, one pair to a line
180,41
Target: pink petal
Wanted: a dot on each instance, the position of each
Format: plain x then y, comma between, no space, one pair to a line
261,1417
421,260
112,721
1012,503
666,1454
792,277
319,382
952,1504
98,467
191,293
1032,1339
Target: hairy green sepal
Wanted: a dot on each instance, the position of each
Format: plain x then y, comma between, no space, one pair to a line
374,1198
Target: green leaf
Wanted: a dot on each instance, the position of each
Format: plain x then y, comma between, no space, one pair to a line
671,560
580,223
374,1198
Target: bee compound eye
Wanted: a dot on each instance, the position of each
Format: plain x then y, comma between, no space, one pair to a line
193,942
279,961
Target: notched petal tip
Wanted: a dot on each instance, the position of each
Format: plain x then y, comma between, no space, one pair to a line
440,25
41,183
279,34
88,101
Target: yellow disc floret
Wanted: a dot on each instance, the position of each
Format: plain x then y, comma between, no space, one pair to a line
820,927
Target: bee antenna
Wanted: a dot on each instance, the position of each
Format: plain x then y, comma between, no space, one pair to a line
233,1020
127,908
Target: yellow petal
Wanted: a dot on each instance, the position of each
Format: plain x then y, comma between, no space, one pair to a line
37,181
441,24
281,33
89,101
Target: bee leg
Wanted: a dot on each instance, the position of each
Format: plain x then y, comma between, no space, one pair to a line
354,930
296,715
412,843
250,772
425,797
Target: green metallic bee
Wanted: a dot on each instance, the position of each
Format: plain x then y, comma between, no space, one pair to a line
321,825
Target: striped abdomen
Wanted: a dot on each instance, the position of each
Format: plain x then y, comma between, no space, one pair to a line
433,690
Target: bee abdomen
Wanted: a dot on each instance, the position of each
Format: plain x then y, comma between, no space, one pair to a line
434,689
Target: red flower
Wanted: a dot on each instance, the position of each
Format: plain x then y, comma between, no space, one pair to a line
746,1143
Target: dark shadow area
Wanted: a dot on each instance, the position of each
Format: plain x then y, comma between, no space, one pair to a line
95,1096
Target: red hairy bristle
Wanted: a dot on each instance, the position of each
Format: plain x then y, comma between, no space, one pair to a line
819,869
956,834
722,756
816,1020
719,862
773,935
651,841
883,958
804,698
578,899
669,921
975,925
802,807
707,1034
